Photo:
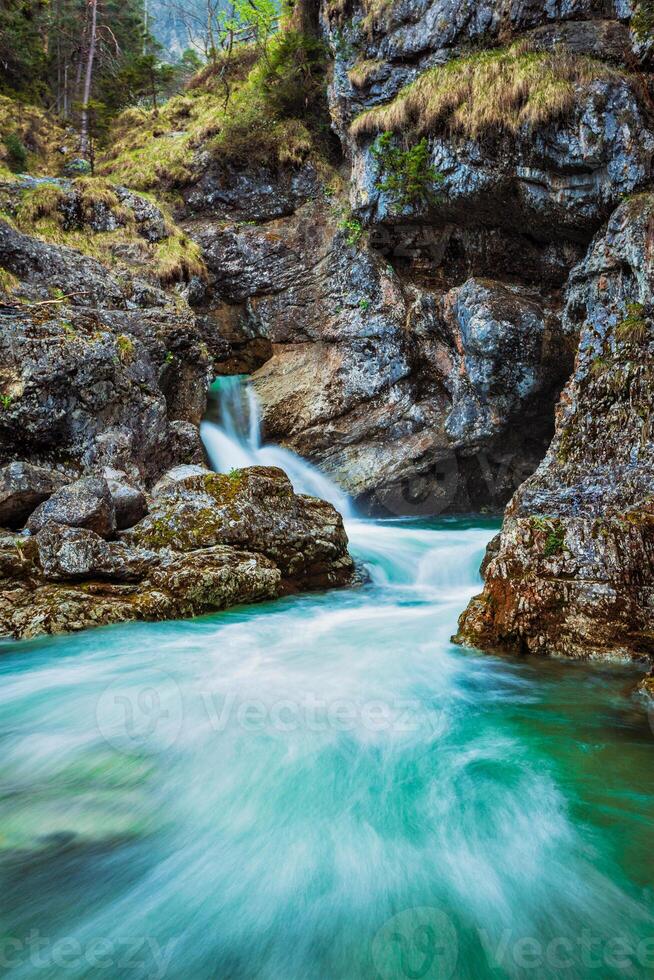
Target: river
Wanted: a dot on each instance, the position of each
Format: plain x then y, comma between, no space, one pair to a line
323,787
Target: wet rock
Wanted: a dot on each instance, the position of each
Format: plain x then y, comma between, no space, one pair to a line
177,474
254,509
574,572
22,488
86,503
250,195
209,542
76,553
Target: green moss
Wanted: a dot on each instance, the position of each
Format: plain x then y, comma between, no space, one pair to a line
565,446
178,533
9,283
225,487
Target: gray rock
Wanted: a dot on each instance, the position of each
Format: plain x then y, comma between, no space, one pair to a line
81,278
176,475
86,503
67,553
77,168
101,388
211,542
561,179
129,503
22,488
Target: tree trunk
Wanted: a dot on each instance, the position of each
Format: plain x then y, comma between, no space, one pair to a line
88,78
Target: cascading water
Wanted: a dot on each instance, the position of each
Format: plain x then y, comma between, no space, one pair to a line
235,440
322,787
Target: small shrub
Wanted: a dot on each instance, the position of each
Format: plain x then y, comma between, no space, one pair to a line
16,153
353,230
406,175
5,401
555,535
125,346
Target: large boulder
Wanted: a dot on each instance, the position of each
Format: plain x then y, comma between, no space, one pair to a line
129,502
22,488
255,509
86,503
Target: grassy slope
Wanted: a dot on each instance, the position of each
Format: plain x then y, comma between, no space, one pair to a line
258,109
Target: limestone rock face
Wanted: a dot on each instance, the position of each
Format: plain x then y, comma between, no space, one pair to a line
415,353
209,542
93,386
574,570
370,375
560,179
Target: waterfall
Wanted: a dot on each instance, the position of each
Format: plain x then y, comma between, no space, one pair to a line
232,438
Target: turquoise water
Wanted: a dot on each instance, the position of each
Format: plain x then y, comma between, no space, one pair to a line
323,787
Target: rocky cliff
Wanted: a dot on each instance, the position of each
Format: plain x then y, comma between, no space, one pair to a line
401,312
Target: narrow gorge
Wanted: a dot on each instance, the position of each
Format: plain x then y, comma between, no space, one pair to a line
327,490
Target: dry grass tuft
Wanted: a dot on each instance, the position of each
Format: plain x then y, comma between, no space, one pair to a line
504,89
178,258
363,71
